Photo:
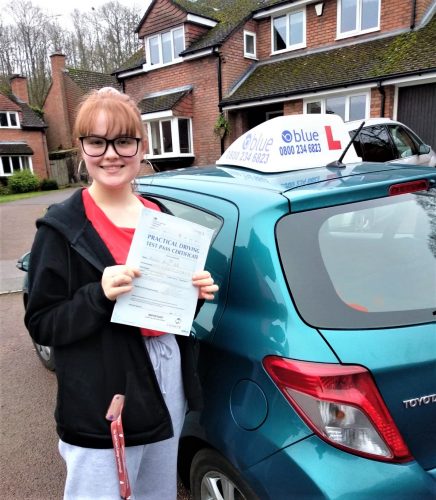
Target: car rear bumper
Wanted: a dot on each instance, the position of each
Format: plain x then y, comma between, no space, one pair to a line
313,469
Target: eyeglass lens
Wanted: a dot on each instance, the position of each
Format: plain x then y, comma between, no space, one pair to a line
97,146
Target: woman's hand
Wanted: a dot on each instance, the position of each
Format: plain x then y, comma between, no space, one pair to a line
117,280
206,285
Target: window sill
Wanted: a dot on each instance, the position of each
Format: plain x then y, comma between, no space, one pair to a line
349,34
289,49
151,67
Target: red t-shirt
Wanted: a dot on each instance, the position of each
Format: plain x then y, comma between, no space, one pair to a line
117,239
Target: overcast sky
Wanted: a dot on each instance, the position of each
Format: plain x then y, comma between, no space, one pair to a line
63,8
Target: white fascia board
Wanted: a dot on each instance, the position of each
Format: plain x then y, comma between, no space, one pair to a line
192,18
131,73
308,95
158,115
282,8
198,54
408,81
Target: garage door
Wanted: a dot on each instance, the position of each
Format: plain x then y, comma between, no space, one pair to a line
417,109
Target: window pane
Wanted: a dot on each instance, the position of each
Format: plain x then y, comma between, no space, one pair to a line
167,137
184,138
376,144
179,44
3,120
16,163
154,50
25,162
280,33
167,55
296,28
313,107
370,14
249,44
403,142
155,139
13,119
7,169
357,107
336,105
348,15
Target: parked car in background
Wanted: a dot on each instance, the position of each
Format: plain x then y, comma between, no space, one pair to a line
317,355
386,140
45,353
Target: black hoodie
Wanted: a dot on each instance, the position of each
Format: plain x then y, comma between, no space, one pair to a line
95,358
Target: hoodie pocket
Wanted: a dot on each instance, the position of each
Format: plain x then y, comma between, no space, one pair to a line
145,412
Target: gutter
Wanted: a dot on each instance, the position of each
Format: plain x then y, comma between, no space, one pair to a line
413,19
382,92
220,89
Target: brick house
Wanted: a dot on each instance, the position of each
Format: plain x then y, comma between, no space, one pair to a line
23,143
251,60
67,88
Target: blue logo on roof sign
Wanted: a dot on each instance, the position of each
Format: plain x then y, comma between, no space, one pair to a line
253,142
286,136
300,135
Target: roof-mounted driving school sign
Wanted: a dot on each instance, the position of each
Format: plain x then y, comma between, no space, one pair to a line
291,142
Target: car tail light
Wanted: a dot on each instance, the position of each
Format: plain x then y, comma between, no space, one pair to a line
409,187
342,405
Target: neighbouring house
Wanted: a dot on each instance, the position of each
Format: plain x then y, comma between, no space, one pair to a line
68,86
209,70
23,143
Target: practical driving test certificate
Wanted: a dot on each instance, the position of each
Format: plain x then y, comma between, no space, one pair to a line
168,251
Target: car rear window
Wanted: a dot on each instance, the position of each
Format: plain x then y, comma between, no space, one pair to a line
363,265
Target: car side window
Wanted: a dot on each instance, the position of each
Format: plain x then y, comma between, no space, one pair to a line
193,214
375,144
403,141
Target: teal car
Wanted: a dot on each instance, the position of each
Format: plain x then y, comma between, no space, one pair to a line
317,356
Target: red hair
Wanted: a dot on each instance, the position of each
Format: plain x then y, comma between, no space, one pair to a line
122,115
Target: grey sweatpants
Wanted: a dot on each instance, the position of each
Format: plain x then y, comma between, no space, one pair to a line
152,468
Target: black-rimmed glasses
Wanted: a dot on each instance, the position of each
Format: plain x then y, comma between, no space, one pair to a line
94,145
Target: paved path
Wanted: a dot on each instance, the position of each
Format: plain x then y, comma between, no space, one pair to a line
17,230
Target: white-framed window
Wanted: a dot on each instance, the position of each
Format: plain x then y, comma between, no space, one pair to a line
9,119
170,136
289,31
350,107
11,164
358,16
165,48
250,44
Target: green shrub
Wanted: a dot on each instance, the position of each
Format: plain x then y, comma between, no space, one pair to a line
23,182
48,185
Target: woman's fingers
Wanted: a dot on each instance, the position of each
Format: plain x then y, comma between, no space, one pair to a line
117,280
206,285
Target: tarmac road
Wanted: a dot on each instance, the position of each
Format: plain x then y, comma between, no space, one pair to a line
30,466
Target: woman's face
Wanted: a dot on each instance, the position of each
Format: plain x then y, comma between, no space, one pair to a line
111,170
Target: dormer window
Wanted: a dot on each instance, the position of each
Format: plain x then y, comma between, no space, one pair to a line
165,48
358,16
289,31
9,119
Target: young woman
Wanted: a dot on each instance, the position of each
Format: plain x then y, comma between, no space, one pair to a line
77,270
